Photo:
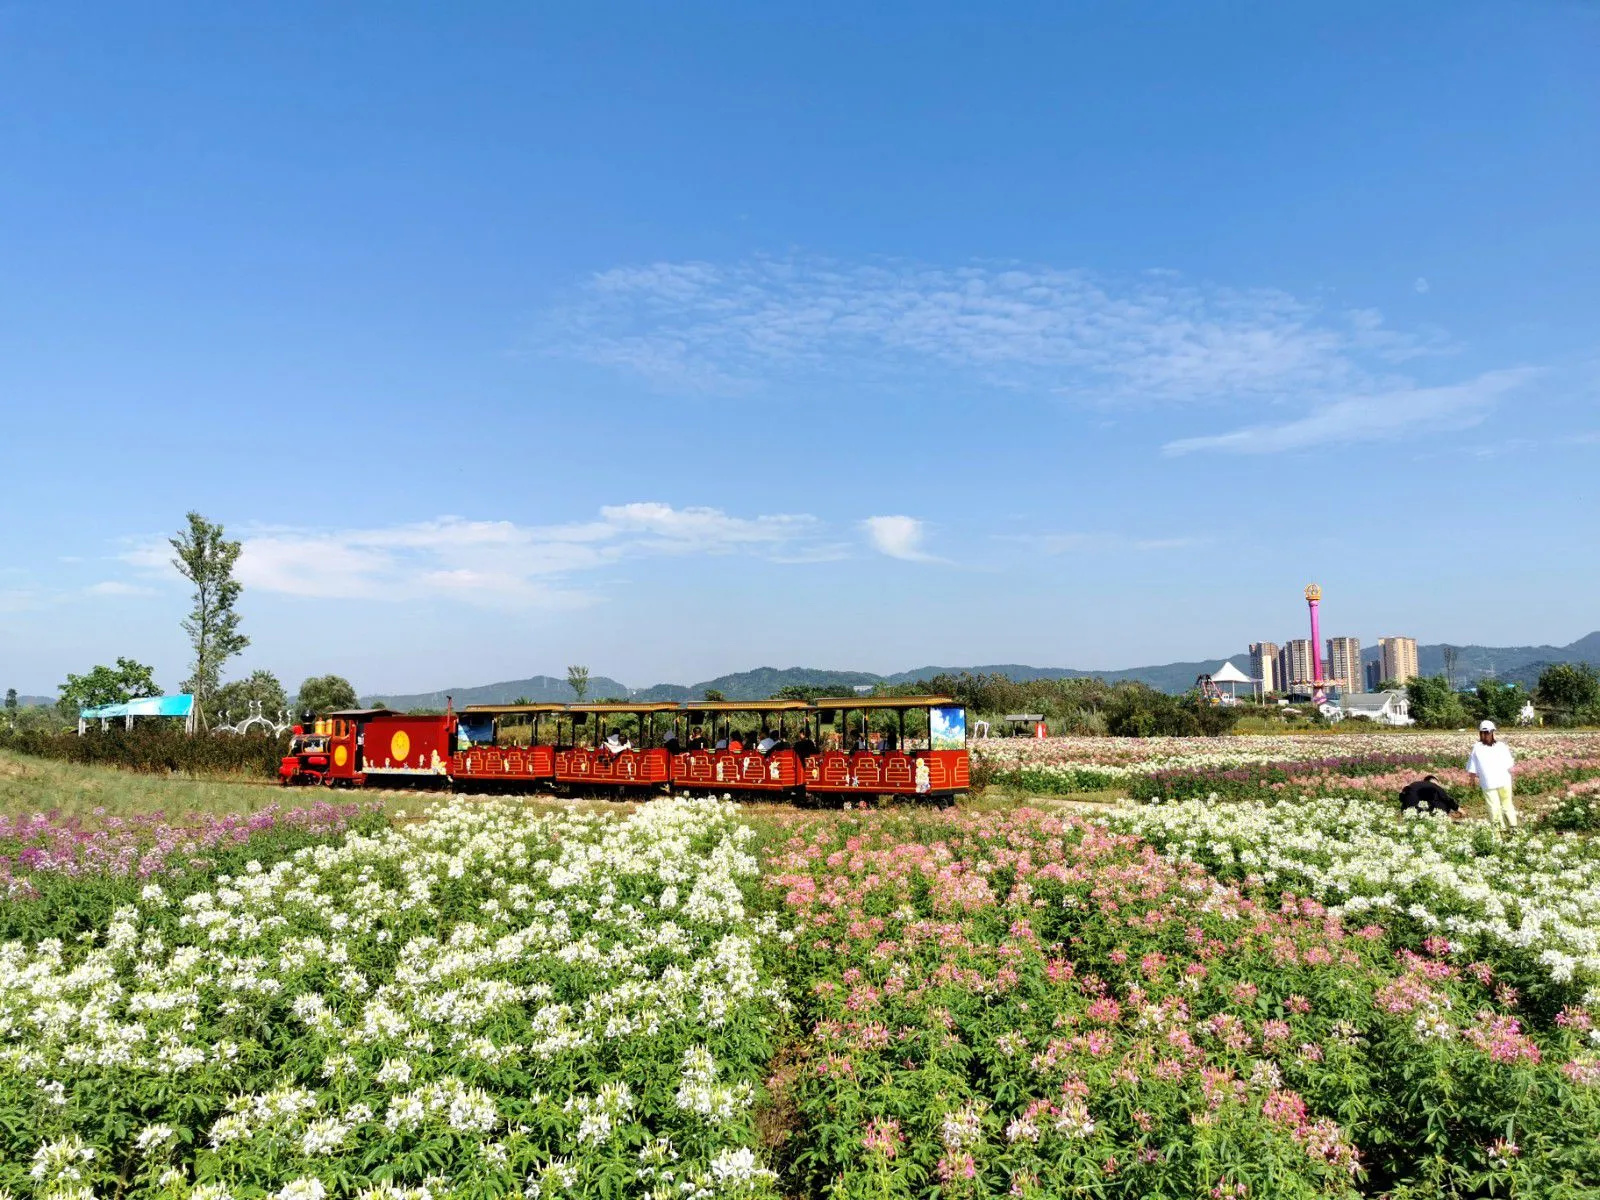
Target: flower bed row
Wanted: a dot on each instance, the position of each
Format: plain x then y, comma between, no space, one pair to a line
492,1000
1038,1006
1122,757
1531,904
40,844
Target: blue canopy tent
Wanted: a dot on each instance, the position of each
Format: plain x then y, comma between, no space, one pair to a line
181,705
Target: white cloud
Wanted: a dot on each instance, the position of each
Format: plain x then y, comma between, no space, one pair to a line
116,587
1152,337
492,562
1421,285
1382,416
898,537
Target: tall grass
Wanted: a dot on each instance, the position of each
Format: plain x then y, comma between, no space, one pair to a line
30,784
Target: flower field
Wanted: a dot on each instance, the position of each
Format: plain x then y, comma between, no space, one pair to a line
1261,997
487,1003
1035,1005
1264,767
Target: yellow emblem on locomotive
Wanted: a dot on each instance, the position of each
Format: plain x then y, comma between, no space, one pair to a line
340,756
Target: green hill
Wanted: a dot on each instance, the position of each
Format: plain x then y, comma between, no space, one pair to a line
1511,663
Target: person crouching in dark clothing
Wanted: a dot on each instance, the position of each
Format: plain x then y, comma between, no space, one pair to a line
1425,795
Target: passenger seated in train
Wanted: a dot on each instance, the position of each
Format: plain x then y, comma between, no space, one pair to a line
735,742
617,741
721,743
887,744
697,738
767,743
804,746
672,745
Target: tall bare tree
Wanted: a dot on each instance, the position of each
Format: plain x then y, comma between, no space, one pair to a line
1451,657
206,559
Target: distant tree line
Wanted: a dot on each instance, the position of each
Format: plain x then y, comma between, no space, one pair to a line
1083,706
1567,694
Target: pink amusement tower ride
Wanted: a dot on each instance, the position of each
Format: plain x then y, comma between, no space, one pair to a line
1313,600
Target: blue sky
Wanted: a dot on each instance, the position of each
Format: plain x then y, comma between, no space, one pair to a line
684,339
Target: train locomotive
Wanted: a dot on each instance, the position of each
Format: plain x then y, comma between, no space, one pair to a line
843,746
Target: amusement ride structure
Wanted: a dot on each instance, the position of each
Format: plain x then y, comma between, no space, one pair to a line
1319,685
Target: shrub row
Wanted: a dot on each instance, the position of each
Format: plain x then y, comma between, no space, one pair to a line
156,749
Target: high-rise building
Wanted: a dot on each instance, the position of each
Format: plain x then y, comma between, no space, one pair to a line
1264,665
1399,658
1343,667
1294,666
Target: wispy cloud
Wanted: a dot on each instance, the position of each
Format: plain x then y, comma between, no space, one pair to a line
117,587
16,600
898,537
495,563
1102,543
1151,337
1366,418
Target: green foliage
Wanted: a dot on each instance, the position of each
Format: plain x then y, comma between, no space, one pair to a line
1434,704
206,559
11,699
1140,711
1577,813
578,679
1498,702
324,694
128,680
806,691
715,697
262,687
1568,687
153,747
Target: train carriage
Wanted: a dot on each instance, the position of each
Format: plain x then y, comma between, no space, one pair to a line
491,748
598,763
876,752
717,766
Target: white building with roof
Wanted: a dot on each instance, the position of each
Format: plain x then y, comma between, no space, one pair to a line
1385,708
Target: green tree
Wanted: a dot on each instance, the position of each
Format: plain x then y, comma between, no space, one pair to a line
11,699
1568,686
128,680
236,698
714,696
1434,704
1498,702
324,694
578,680
206,559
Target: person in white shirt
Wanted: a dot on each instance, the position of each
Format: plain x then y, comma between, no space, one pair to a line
1491,764
767,742
618,742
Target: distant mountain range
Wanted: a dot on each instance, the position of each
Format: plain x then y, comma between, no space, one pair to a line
1514,664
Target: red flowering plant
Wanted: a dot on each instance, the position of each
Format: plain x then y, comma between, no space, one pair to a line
1030,1004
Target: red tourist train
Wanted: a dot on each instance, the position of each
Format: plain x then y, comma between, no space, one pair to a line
838,746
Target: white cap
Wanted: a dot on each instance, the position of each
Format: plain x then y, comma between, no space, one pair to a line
1486,727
